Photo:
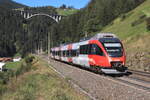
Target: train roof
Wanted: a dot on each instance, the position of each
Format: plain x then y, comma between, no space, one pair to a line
99,36
103,35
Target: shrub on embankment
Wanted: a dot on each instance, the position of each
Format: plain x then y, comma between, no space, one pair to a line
14,70
40,83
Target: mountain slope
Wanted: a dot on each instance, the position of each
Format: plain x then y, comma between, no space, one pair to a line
124,27
10,4
131,28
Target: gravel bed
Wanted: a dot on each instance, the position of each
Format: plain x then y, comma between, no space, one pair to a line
100,87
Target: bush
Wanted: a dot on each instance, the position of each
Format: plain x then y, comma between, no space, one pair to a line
138,21
142,16
123,17
29,59
2,89
148,24
4,78
23,67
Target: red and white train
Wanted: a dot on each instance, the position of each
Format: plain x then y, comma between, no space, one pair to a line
103,52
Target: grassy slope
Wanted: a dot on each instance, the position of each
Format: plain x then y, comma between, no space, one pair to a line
41,83
135,38
66,12
124,29
13,65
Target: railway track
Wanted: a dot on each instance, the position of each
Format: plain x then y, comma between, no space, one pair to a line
145,74
134,82
137,79
94,83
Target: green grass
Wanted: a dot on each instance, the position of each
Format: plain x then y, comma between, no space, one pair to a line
15,69
13,65
41,84
66,12
136,36
124,28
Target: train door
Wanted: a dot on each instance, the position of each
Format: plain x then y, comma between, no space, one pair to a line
97,56
83,56
75,53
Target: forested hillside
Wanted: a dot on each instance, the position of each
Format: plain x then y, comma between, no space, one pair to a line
25,36
10,29
37,29
10,4
91,19
22,36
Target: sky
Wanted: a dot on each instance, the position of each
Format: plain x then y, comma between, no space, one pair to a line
56,3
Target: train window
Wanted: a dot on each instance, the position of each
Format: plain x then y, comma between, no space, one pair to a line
58,53
73,53
55,53
77,52
68,53
84,49
81,50
114,49
89,46
96,50
63,53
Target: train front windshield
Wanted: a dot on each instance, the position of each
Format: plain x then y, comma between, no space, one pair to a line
112,46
